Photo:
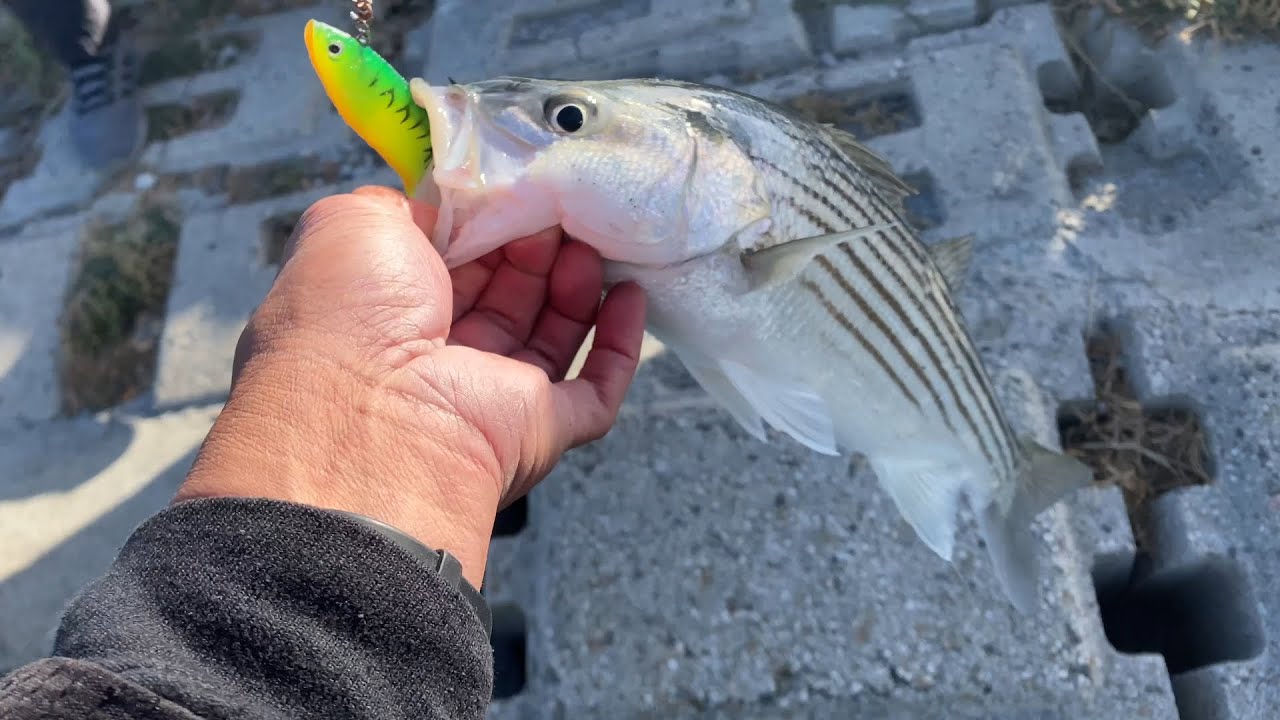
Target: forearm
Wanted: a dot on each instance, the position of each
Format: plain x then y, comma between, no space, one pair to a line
234,608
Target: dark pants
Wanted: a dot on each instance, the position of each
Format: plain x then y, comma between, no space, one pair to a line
73,30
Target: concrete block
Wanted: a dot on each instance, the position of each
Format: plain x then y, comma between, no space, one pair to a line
930,16
858,28
1215,553
35,269
1240,86
71,492
771,581
220,277
60,181
612,38
1031,29
282,110
996,152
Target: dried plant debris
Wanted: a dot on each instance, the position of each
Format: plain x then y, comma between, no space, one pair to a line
114,311
192,55
200,112
1231,20
1144,451
862,115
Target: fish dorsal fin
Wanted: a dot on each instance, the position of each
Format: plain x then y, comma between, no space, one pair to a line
875,166
952,258
781,262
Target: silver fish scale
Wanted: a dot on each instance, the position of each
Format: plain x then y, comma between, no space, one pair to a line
904,316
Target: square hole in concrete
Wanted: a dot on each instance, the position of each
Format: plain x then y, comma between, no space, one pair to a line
200,112
276,231
924,209
193,54
1145,449
1195,616
509,642
115,306
279,177
512,519
864,113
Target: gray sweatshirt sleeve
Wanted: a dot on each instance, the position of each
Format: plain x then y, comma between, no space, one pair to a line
247,609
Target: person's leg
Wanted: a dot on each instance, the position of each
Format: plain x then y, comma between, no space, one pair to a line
107,125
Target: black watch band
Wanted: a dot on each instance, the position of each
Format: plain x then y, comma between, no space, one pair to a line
444,565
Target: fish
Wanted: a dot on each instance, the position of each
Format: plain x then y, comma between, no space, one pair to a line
779,268
373,99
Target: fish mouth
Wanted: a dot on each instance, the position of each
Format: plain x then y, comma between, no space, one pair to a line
481,164
451,114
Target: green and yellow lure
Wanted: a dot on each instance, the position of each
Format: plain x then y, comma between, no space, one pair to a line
373,99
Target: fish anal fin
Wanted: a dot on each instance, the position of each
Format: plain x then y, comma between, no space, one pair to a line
877,168
927,495
783,261
952,257
789,406
1045,478
721,389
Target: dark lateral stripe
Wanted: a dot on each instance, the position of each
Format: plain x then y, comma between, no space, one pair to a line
808,214
861,339
807,190
867,312
881,212
904,245
927,342
907,251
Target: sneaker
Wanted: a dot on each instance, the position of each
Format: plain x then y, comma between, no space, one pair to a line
108,126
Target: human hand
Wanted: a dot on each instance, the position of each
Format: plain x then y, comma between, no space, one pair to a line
372,381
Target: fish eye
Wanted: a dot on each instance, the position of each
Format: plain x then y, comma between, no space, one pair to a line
335,49
568,113
569,118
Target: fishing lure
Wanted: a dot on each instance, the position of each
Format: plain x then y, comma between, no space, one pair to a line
373,98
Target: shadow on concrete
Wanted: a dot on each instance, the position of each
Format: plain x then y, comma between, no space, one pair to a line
32,600
59,455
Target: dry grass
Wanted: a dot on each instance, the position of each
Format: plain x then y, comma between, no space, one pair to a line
114,309
199,112
864,117
1225,19
1143,451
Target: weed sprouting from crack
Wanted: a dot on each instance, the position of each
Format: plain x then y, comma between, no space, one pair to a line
114,308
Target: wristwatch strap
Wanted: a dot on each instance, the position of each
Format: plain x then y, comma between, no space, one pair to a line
444,565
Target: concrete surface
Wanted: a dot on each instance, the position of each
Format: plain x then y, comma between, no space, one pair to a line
73,491
34,271
680,568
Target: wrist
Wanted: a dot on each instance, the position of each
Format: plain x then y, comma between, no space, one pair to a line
340,444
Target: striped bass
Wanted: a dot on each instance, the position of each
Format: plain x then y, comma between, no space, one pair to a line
779,269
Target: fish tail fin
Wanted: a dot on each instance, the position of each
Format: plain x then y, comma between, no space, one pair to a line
1044,478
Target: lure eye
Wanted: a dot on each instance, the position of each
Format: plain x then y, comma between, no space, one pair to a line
568,118
335,50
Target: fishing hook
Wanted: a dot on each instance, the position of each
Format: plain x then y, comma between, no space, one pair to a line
363,17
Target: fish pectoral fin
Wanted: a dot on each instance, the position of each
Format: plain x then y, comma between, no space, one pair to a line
927,495
780,263
1045,478
953,258
790,407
